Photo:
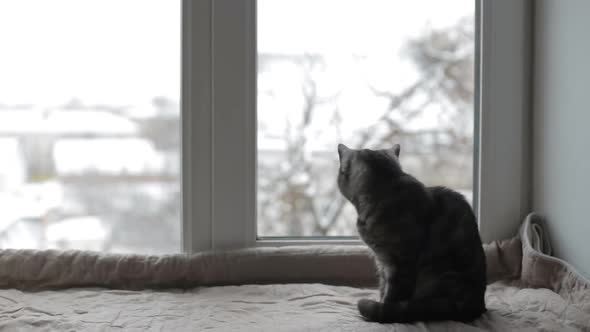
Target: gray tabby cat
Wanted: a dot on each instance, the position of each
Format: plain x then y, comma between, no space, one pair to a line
425,241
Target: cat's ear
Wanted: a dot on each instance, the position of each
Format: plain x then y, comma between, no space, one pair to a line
395,150
343,151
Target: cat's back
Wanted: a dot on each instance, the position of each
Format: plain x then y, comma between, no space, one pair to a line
448,202
453,225
454,244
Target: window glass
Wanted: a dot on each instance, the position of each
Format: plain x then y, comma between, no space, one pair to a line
367,73
90,125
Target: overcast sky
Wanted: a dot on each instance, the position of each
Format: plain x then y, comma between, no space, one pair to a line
345,26
343,30
102,51
128,51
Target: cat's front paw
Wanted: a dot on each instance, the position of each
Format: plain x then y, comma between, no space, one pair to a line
370,310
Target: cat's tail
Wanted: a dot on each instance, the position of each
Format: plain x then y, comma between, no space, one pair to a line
414,310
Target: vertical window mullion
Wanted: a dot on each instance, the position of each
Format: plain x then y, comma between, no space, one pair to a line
196,101
233,123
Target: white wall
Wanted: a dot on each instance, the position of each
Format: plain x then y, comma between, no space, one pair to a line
561,125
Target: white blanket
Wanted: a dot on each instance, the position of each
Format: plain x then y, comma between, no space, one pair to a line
546,295
291,307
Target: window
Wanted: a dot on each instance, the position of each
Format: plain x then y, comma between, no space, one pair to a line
93,103
226,114
368,74
90,125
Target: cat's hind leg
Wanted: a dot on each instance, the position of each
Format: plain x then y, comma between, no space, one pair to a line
413,310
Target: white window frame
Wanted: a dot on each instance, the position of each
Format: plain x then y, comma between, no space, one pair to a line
219,123
503,105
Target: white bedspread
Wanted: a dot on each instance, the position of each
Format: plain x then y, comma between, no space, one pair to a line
301,291
290,307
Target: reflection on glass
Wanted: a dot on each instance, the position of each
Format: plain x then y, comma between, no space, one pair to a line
368,74
89,125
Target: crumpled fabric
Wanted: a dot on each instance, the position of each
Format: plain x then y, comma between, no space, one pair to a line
535,291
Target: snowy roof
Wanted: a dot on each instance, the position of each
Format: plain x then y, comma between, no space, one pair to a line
68,122
31,200
86,228
107,155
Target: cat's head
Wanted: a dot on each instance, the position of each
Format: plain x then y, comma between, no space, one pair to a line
366,178
365,171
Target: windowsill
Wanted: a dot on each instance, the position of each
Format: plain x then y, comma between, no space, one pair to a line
282,242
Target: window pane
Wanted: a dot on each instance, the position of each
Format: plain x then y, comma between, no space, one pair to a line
89,125
368,74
